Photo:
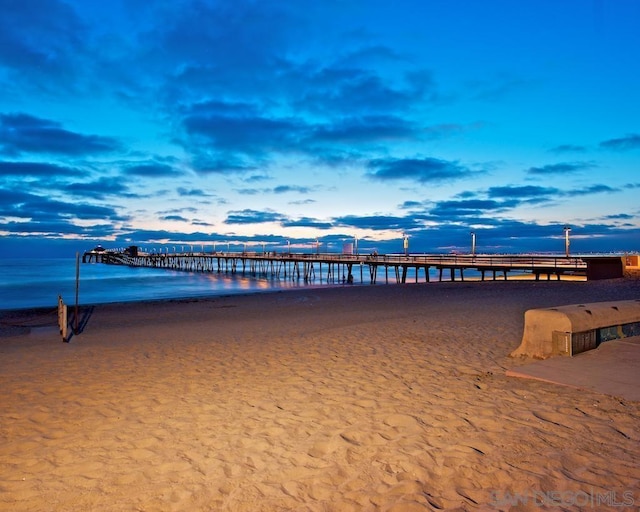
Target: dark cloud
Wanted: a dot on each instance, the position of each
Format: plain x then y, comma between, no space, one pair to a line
239,128
248,216
523,191
620,216
367,129
471,207
422,170
39,169
16,203
153,170
22,133
192,192
631,141
354,88
283,189
140,236
49,57
408,205
377,222
179,218
561,168
100,189
592,189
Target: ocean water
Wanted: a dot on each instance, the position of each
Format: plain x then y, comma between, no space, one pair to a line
27,283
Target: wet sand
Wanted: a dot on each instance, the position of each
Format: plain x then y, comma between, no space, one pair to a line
390,398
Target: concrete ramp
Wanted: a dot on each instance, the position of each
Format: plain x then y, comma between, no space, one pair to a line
611,369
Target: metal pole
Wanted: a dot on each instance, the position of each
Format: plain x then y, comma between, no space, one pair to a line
75,329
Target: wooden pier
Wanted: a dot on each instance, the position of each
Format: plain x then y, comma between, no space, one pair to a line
341,267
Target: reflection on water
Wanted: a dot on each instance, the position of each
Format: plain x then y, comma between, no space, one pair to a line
38,282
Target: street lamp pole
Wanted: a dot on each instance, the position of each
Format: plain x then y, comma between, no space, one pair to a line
473,243
567,230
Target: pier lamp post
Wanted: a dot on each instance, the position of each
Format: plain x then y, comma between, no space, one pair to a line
567,230
289,246
317,246
473,243
228,247
405,243
355,240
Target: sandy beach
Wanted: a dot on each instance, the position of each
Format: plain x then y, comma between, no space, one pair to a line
380,398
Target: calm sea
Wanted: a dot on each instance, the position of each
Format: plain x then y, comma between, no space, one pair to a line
26,283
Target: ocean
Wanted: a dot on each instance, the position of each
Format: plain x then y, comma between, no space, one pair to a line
29,283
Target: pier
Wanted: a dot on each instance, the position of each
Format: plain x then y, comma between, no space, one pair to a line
342,267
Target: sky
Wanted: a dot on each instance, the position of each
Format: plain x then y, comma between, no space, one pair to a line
247,124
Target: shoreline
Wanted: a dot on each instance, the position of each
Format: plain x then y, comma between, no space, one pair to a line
310,286
387,398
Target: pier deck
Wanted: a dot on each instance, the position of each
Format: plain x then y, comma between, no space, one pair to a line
340,267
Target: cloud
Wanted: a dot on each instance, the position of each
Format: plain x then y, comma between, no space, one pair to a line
631,141
22,133
240,128
471,207
49,57
283,189
248,216
17,203
100,188
523,191
351,87
378,222
561,168
366,129
192,192
592,189
179,218
54,227
153,170
422,170
38,169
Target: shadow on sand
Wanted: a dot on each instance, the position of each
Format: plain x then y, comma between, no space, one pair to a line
83,320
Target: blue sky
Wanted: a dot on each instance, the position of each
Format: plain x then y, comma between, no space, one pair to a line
256,122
